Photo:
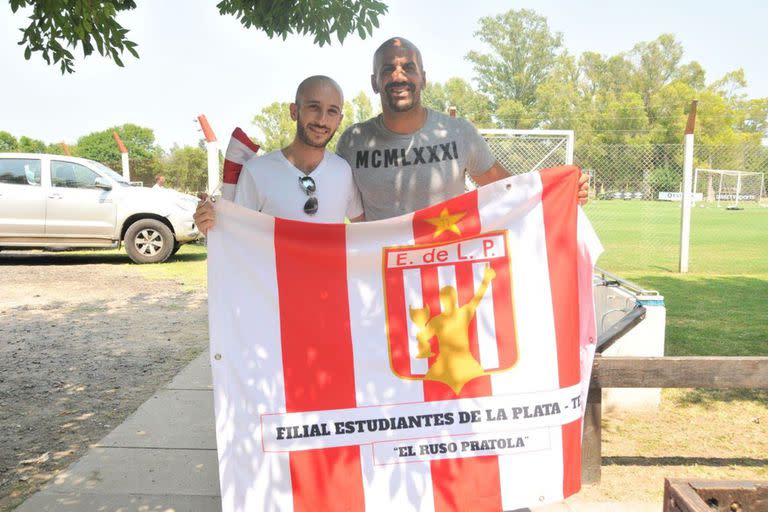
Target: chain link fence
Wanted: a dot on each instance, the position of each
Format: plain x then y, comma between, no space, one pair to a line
635,200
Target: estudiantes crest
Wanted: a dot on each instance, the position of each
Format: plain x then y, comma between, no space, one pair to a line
448,307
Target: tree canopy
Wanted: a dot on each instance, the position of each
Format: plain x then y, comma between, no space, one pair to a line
140,141
58,27
639,96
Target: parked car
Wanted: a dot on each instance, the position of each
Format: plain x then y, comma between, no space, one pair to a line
62,202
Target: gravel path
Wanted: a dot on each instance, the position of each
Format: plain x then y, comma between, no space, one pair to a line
83,342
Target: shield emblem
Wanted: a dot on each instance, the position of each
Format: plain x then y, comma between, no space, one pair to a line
449,309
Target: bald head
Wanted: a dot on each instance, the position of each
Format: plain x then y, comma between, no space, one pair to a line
316,80
396,43
398,76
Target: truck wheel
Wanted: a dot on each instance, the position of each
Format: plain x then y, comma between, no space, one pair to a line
149,241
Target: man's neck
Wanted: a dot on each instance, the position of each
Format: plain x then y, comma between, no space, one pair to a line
303,157
405,122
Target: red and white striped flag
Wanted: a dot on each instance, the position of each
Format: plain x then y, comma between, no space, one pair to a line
437,361
239,150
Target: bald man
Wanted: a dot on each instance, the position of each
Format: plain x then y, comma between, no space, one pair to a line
301,181
410,157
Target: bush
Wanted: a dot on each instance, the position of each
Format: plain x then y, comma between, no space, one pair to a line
665,179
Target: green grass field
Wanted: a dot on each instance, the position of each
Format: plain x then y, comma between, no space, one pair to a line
721,306
645,235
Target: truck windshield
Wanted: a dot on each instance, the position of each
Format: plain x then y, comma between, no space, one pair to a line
112,174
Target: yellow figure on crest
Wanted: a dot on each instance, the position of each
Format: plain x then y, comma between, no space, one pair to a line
455,365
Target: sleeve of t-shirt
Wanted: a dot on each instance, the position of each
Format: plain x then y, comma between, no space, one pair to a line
341,145
480,158
354,201
247,192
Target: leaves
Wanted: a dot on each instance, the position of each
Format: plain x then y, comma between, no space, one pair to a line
524,52
320,19
56,25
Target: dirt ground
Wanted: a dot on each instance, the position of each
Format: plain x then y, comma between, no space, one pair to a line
84,340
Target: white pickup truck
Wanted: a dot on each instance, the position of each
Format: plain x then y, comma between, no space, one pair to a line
61,202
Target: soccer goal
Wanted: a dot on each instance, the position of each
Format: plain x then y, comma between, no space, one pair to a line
734,189
521,151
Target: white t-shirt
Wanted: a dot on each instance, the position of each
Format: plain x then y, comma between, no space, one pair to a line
270,184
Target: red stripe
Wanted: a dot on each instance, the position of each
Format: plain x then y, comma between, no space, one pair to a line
399,354
239,134
430,287
318,364
504,321
559,203
232,172
465,282
468,483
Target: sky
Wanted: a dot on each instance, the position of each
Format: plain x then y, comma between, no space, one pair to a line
194,61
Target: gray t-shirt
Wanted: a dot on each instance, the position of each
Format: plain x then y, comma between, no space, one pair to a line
399,174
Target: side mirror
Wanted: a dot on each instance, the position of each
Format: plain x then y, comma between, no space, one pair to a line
102,183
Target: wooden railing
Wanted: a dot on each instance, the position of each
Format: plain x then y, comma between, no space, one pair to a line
660,372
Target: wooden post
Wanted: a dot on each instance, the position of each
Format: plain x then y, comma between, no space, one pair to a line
591,457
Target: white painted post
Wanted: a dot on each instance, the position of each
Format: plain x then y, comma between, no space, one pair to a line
126,166
213,165
123,155
213,153
687,199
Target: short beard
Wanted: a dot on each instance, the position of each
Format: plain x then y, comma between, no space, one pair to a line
401,107
301,134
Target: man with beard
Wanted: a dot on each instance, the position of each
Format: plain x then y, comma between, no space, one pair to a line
301,181
410,157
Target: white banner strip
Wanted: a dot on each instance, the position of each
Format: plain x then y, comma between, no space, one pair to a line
473,445
366,425
483,248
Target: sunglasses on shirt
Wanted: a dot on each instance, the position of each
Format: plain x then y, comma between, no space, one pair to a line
309,188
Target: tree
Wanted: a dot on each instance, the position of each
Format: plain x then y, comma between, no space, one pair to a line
28,145
8,142
143,152
276,125
56,25
562,99
186,168
524,51
655,65
56,148
456,92
363,107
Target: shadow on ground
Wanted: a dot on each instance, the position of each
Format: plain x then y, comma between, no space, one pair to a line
81,258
